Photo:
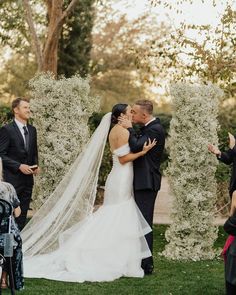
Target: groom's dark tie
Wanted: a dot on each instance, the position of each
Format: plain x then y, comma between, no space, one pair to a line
26,133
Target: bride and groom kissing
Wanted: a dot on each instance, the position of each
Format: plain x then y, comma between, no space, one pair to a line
117,239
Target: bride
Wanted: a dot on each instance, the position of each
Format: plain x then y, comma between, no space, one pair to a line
103,245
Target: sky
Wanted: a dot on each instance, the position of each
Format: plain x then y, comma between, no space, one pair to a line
196,13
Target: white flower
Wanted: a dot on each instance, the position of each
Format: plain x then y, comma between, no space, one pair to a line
191,171
61,109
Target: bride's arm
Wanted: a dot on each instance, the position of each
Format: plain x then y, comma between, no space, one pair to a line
133,156
122,138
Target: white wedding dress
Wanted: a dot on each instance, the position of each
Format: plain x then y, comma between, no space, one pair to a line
107,244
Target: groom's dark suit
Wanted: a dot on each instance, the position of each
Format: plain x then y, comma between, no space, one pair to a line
14,153
147,177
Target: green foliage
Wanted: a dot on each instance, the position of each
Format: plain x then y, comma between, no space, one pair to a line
5,114
76,40
15,75
213,57
14,30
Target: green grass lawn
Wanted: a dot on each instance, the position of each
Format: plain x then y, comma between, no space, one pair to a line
169,278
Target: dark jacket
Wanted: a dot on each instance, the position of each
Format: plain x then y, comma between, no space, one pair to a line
13,153
147,168
230,265
229,157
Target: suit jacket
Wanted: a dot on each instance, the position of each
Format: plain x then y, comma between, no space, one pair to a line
13,154
147,168
229,157
230,265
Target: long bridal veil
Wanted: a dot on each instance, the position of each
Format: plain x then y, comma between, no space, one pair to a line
71,201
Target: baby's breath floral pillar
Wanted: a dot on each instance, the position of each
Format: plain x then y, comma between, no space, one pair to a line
191,171
61,109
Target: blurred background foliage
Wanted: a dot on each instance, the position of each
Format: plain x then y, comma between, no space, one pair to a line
127,59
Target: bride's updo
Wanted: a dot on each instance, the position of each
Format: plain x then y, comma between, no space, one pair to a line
117,110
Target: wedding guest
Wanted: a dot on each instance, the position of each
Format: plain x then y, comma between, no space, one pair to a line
8,193
228,157
18,150
229,250
229,253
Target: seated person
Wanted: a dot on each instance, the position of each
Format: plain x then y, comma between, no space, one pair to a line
8,193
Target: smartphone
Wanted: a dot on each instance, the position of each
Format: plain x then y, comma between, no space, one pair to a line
33,167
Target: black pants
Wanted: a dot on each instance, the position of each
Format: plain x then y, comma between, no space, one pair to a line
230,289
24,194
145,200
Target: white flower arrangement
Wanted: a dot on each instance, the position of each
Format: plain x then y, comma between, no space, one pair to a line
61,109
191,171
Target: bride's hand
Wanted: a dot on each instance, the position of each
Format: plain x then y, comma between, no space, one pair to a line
124,121
149,145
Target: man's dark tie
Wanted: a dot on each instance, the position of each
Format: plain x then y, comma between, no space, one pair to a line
26,133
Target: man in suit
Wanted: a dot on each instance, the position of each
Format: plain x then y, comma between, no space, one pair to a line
147,176
18,150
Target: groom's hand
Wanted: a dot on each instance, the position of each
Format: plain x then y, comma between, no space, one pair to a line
124,122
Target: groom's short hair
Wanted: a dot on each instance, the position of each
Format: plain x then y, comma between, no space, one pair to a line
146,105
15,103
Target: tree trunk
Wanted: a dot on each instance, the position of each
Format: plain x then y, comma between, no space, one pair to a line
57,18
50,52
47,59
35,40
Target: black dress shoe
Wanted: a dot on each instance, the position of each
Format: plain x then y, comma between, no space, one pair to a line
148,269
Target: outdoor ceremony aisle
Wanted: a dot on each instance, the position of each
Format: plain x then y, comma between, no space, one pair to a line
164,201
169,278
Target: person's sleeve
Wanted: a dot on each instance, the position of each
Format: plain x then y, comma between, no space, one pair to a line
230,225
136,142
226,157
234,150
4,146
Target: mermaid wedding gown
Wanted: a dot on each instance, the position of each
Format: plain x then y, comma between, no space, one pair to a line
108,244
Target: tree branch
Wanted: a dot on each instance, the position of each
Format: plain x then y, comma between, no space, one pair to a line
35,40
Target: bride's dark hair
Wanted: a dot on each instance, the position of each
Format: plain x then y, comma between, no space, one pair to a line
117,110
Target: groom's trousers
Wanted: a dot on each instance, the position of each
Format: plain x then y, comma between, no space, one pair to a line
145,200
24,193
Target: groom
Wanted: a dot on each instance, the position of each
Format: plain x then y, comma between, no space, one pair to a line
18,150
147,176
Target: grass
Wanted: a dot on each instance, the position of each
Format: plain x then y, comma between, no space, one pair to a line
169,278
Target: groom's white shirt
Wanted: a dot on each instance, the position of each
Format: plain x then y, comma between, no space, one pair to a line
20,126
153,119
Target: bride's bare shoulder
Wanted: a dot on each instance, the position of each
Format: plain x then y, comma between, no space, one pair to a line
118,136
118,130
